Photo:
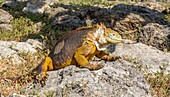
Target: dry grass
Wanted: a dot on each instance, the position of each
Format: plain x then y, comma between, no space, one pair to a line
159,82
159,85
9,71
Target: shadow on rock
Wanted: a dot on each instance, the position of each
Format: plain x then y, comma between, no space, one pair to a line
131,21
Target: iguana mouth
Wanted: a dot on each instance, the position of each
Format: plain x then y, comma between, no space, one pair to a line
126,41
114,39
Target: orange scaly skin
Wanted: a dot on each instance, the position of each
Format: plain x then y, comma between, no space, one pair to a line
78,47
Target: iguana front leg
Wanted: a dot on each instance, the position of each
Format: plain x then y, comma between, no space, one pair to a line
84,53
105,56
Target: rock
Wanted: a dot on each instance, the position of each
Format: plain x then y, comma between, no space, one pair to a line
149,59
6,27
17,95
18,46
156,35
57,11
5,17
120,78
11,49
122,17
36,7
152,5
14,3
68,21
39,7
117,79
132,17
129,20
166,11
136,22
35,44
38,25
51,2
11,55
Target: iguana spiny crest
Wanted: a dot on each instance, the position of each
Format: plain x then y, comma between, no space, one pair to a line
103,36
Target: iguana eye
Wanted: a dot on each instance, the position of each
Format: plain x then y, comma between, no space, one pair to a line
113,34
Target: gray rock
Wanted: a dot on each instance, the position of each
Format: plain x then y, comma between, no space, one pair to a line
26,3
17,95
37,7
13,3
6,27
11,55
38,25
18,46
116,79
35,44
149,59
51,2
156,35
10,50
57,11
5,17
69,21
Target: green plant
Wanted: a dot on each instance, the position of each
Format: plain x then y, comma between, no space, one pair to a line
1,2
167,17
21,27
49,94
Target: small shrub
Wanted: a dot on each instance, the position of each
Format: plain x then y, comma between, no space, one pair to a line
21,27
1,2
159,85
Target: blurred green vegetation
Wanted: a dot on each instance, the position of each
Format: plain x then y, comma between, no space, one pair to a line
21,27
1,2
168,17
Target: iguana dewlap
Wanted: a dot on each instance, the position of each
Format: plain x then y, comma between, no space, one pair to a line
78,47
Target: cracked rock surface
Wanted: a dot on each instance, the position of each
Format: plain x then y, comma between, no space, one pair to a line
11,49
5,19
117,79
149,58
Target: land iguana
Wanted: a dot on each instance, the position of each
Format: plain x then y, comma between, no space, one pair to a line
78,47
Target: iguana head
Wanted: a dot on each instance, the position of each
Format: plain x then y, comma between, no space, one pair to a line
103,36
